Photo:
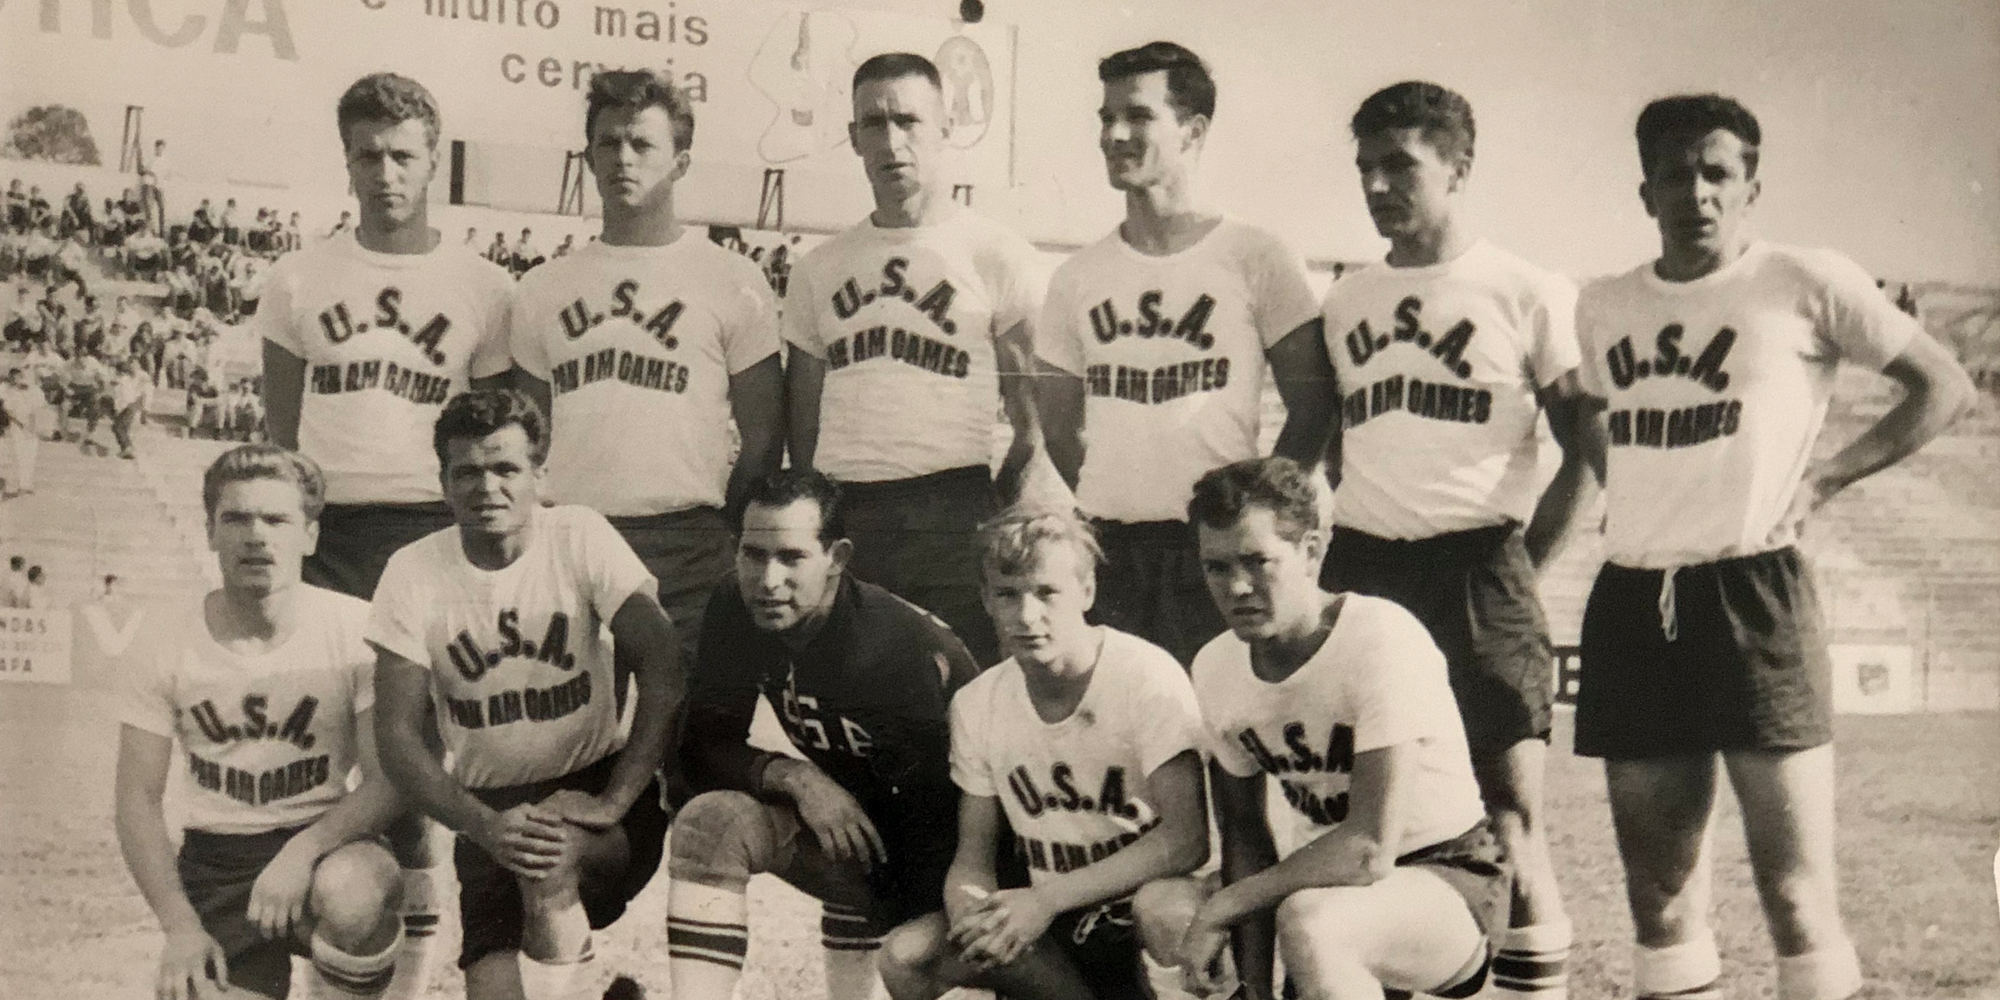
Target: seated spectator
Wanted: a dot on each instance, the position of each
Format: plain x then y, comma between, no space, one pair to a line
17,207
293,240
498,252
472,238
567,246
39,216
346,223
11,246
38,255
201,225
135,213
204,405
77,216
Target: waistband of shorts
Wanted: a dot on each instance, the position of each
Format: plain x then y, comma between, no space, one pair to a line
427,508
886,489
1475,836
1143,532
701,517
1788,553
1452,546
590,778
211,842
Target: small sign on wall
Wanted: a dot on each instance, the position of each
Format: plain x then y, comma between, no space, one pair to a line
34,646
1873,680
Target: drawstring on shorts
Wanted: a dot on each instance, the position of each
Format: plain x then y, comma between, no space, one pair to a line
1670,624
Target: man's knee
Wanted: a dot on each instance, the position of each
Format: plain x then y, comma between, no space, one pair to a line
355,893
912,949
1163,909
1309,923
720,839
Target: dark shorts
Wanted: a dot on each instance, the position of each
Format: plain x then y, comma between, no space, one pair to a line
1475,592
690,552
1151,585
356,541
1747,668
489,898
217,872
919,539
1103,943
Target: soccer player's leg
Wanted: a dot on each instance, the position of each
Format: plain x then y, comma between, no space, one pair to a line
355,543
218,872
1162,910
718,840
1503,678
357,925
1660,810
1788,819
920,962
1410,931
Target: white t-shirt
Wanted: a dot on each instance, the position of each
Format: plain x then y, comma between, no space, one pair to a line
386,338
1075,790
1378,681
1171,351
267,740
905,320
1438,368
638,345
1717,389
520,658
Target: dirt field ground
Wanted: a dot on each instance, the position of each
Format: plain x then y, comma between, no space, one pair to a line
1919,813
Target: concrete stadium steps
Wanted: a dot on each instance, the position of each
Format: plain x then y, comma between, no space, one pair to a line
90,516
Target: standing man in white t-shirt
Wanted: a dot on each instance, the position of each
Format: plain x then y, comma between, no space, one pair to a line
267,687
907,335
1159,336
643,346
1702,636
1390,877
1087,739
1444,360
366,334
507,624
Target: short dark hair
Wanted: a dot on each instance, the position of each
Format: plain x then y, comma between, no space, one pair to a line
1277,484
34,574
782,488
1442,115
388,97
481,412
636,90
249,462
895,66
17,563
1190,90
1672,122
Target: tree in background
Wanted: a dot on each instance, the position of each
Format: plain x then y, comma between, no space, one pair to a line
51,132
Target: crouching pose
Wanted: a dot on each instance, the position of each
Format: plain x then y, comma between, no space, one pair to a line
267,685
1392,878
510,620
1087,738
860,679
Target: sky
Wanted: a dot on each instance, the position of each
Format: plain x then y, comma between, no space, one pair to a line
1882,131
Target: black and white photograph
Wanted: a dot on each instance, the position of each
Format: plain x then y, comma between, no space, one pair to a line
1000,500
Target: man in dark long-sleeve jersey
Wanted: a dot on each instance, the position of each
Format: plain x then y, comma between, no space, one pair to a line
861,681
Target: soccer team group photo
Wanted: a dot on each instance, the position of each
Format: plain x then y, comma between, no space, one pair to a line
1147,619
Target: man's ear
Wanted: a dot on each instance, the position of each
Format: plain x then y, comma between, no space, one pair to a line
1646,198
842,551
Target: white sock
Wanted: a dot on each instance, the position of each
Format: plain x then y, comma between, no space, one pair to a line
417,962
1686,971
707,938
576,979
850,945
1827,974
341,974
1533,962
